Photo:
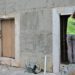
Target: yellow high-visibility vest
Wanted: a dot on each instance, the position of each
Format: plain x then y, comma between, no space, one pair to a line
71,26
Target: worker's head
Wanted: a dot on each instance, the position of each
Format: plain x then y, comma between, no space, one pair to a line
73,15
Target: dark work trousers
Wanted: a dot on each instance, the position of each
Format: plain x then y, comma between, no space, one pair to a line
71,48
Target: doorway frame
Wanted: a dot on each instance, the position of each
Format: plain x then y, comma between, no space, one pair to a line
56,12
16,61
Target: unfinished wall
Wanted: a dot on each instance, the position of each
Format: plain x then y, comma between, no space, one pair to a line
36,35
35,26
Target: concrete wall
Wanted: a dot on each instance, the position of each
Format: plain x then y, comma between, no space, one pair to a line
35,27
36,35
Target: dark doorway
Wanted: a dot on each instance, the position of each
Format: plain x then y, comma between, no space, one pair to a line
63,42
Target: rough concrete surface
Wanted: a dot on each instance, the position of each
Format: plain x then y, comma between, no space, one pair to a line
35,28
6,70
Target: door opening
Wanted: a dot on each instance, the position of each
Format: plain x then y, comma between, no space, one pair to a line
63,41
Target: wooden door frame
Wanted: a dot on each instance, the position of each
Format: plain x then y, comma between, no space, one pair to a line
16,61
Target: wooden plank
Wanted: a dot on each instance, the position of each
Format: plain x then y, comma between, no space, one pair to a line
13,38
0,48
7,32
0,39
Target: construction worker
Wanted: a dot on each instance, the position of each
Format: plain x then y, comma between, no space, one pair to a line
71,38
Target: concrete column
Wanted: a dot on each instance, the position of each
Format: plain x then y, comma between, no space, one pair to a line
56,41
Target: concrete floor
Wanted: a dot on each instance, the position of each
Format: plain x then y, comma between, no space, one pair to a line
67,69
4,70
